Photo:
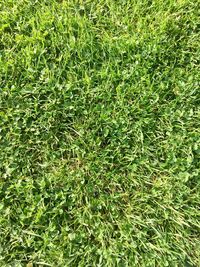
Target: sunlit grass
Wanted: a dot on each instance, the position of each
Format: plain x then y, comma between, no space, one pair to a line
99,133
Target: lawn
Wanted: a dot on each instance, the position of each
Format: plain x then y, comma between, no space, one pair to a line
99,133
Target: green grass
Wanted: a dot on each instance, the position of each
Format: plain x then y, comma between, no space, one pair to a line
99,133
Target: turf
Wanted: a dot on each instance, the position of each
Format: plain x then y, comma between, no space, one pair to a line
99,133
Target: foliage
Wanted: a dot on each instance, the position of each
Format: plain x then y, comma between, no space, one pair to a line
99,133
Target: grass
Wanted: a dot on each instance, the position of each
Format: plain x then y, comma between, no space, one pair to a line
99,133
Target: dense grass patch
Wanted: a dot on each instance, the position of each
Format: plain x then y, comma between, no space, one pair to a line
99,133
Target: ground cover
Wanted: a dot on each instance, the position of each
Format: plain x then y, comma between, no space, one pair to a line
99,133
